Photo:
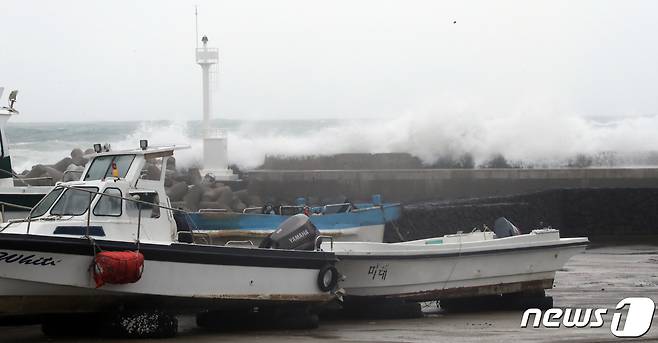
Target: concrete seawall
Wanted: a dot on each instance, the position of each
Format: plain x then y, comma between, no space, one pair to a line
416,185
612,214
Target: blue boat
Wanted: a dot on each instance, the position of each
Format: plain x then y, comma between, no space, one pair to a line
347,221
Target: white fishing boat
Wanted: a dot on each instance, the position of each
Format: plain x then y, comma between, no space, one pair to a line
460,265
64,256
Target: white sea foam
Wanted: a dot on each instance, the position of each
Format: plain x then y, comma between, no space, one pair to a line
171,133
533,137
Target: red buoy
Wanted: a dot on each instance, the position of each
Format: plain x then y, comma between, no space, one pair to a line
118,267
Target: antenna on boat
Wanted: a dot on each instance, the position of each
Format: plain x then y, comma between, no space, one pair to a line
196,26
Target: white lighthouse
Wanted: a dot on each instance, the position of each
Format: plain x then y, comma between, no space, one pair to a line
215,155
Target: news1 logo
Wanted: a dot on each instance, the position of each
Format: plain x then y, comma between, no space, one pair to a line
637,322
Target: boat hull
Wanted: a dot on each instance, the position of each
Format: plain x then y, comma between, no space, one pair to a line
60,267
19,297
362,225
430,275
25,298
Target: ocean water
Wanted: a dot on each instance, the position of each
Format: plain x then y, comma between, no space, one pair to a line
47,143
538,140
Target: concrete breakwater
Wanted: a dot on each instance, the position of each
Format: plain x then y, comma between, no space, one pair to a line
403,185
414,185
600,214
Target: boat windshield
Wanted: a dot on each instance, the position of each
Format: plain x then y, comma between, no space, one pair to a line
45,203
74,201
101,166
109,206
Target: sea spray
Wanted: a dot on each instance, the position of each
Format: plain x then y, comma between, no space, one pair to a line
528,138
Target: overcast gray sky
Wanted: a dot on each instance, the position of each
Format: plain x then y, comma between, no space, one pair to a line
129,60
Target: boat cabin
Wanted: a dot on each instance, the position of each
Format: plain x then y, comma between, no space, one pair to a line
120,196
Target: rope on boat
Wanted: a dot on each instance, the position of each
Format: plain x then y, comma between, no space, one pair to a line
459,254
92,242
396,228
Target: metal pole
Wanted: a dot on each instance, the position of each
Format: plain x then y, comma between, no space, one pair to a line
196,26
139,222
15,206
29,221
89,214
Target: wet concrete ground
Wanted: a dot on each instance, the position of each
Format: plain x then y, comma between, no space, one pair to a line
599,278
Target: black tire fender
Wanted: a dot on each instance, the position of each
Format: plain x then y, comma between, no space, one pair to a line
334,278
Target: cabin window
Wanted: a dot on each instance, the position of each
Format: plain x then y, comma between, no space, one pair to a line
45,203
109,205
74,201
152,169
101,166
148,210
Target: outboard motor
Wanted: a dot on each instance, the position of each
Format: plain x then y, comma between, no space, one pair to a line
505,228
295,233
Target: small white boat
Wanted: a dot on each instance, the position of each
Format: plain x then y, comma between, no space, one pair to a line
459,265
49,262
